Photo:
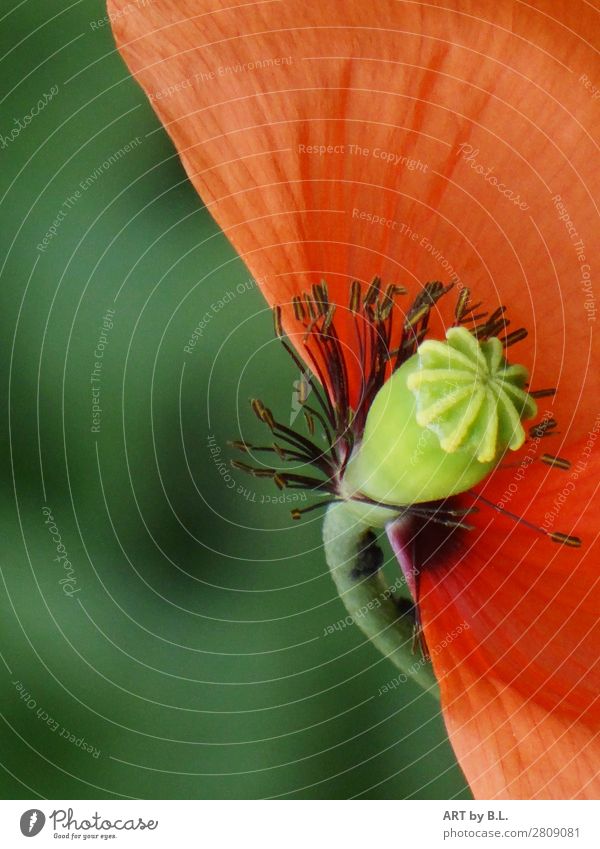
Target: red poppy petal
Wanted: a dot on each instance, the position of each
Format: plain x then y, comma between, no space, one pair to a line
511,621
469,138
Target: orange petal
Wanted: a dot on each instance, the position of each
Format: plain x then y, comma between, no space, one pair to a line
413,141
416,142
511,621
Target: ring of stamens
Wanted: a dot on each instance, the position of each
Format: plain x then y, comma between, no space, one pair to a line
374,314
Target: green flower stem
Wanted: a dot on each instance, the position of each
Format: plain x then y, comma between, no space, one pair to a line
354,560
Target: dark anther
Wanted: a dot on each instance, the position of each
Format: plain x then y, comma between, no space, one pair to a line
468,313
543,393
263,413
497,314
555,462
297,513
372,292
354,302
308,302
330,312
565,539
415,318
545,428
251,470
461,304
298,306
279,451
492,326
310,422
277,322
514,337
240,446
320,297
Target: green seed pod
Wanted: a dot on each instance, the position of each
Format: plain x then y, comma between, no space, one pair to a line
441,423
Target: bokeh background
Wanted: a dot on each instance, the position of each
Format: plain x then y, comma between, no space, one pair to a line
184,654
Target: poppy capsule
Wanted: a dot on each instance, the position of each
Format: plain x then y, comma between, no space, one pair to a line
441,422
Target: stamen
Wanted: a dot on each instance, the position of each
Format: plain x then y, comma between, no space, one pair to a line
372,292
319,291
305,450
251,470
312,452
282,479
492,326
309,305
305,482
240,446
321,396
354,303
283,454
310,423
555,536
475,317
544,428
469,314
391,291
497,315
328,318
461,305
297,513
263,413
565,539
417,320
387,303
543,393
298,307
277,322
412,320
315,414
302,392
556,462
443,516
435,512
514,337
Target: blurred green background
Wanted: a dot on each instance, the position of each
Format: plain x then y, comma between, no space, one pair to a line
184,655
